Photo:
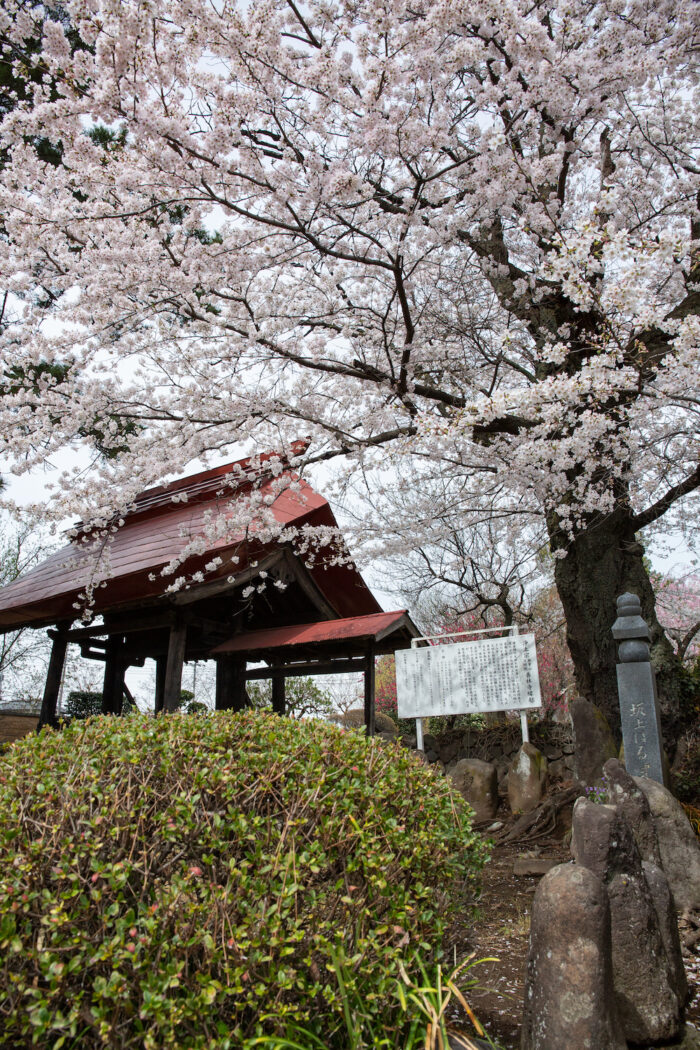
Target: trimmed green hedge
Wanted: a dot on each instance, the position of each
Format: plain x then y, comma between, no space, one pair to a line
185,881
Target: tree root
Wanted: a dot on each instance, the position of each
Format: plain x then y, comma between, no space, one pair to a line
540,822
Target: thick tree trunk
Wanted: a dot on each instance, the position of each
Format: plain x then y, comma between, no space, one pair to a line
602,563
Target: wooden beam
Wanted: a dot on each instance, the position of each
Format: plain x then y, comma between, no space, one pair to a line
88,653
222,586
370,727
54,675
339,666
303,578
173,668
125,624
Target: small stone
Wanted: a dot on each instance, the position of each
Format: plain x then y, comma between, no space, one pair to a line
527,779
496,826
678,844
569,1001
476,781
593,741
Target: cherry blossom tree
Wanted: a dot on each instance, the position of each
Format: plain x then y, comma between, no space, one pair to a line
437,241
678,600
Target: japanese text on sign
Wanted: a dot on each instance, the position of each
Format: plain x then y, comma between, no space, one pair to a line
496,674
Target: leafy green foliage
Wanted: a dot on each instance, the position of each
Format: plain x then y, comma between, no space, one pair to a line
83,703
189,881
109,433
425,1000
303,698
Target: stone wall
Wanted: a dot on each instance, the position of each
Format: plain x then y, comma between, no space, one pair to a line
499,744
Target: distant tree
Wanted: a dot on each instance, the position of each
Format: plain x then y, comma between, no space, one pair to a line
24,653
304,699
678,600
84,703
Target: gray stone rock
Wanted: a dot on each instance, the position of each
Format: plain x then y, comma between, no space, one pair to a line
558,770
678,845
569,1001
527,779
448,750
502,765
602,841
690,1040
668,926
477,782
647,1000
631,802
593,741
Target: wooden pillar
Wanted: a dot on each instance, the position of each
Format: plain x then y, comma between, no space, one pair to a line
113,687
231,693
173,668
278,690
160,683
369,693
54,675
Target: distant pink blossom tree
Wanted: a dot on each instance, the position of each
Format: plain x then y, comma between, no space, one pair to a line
678,602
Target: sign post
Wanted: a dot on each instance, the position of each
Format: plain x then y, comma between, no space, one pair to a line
492,674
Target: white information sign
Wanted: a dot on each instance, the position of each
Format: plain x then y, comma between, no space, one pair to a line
495,674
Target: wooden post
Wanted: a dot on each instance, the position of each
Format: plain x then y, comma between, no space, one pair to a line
173,668
113,687
370,728
54,675
231,693
160,684
278,691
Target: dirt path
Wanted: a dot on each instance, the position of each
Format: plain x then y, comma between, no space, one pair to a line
502,930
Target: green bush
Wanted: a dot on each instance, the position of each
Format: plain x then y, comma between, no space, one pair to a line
83,703
187,881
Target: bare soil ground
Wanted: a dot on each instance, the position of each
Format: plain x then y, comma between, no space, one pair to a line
13,727
502,929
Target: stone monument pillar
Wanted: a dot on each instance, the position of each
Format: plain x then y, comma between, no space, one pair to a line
636,685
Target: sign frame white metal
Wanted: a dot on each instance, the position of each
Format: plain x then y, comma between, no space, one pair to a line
415,642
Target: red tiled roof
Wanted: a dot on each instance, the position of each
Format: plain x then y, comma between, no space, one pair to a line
375,626
154,533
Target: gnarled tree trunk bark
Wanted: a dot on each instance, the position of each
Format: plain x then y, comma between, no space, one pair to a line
602,562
